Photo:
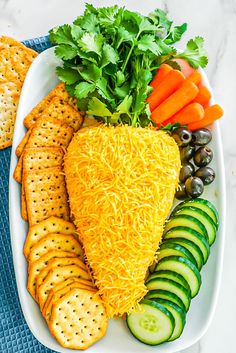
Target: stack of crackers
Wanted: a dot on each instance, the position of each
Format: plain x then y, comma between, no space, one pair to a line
51,124
15,60
58,278
59,281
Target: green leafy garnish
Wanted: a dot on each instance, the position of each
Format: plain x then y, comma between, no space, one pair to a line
110,56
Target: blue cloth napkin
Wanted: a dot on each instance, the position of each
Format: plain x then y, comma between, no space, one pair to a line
15,336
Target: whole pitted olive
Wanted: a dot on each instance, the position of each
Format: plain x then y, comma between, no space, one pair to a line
181,192
194,187
206,174
186,171
182,136
201,137
186,153
203,156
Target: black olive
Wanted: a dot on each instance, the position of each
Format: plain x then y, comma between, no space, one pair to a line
186,171
182,136
194,187
201,137
186,153
203,156
206,174
181,193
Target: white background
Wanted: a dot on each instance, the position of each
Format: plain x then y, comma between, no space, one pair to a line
215,20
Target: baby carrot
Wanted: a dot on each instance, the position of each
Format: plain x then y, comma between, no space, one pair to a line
203,97
189,114
170,84
212,113
195,77
175,102
163,70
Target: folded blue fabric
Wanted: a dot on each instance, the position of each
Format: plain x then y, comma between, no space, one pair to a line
15,336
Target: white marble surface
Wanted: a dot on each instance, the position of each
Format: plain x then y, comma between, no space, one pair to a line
215,20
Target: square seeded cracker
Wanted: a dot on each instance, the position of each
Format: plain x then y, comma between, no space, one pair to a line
46,194
60,109
37,111
9,97
47,132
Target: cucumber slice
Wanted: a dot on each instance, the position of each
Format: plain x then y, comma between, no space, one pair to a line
169,249
203,218
190,234
185,268
164,294
152,267
192,247
170,275
171,286
186,221
205,206
154,325
179,316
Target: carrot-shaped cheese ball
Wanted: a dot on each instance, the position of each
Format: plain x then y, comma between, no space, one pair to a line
174,103
161,73
189,114
170,84
212,113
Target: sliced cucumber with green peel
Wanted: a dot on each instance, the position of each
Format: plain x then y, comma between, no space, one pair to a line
185,268
192,247
186,221
202,217
152,267
169,249
179,316
192,235
164,294
174,287
153,325
205,206
169,275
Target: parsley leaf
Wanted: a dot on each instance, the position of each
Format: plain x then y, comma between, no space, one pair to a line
98,108
65,51
91,42
176,33
195,53
83,89
67,75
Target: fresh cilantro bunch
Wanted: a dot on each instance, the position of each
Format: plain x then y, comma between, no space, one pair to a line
110,55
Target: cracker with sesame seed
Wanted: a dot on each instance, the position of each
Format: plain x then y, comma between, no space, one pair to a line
50,225
78,319
55,241
56,275
45,194
36,267
58,91
52,299
15,60
47,132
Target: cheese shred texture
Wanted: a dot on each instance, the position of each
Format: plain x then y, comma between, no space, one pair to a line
121,183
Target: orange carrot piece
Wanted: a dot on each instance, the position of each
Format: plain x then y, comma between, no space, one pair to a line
169,85
195,77
163,70
212,113
203,97
175,102
189,114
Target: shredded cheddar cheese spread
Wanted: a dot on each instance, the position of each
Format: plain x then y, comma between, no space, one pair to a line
121,183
